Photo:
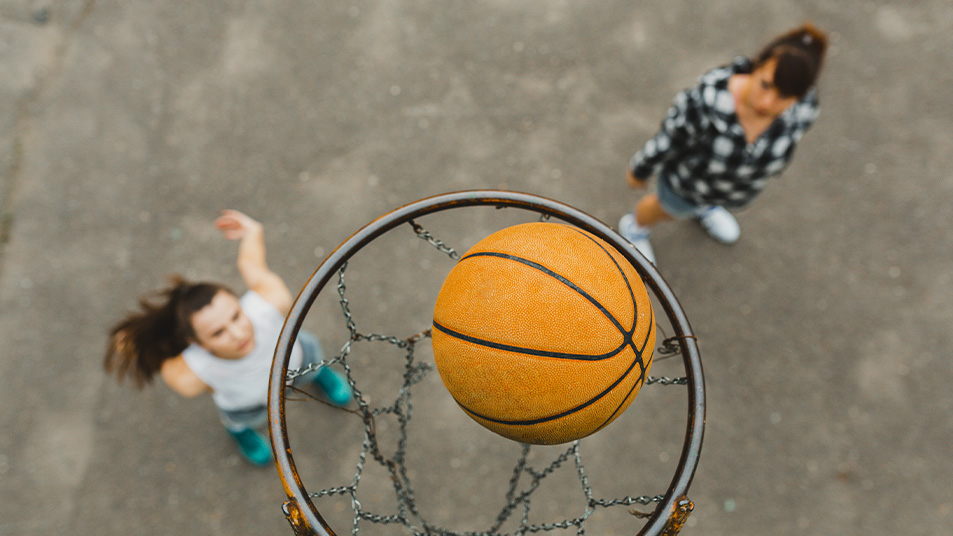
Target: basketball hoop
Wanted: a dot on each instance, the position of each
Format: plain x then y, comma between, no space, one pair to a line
672,507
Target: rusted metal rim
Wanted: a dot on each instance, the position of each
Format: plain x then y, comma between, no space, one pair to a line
301,511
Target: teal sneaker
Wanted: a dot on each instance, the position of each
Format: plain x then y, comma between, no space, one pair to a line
254,447
334,385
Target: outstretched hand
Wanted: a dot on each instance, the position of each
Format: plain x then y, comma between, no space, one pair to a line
251,262
235,225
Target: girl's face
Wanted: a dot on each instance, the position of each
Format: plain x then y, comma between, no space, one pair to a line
761,96
222,328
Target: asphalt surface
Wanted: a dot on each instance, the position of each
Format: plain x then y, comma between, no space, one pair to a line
126,126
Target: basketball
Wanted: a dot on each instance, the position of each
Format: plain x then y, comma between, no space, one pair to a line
543,333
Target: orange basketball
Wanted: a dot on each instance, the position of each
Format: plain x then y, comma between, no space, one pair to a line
543,333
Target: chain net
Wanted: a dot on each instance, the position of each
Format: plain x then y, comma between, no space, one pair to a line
525,480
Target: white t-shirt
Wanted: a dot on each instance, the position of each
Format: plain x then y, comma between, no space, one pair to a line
243,383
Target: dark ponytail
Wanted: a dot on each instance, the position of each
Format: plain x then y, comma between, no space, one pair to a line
161,329
800,55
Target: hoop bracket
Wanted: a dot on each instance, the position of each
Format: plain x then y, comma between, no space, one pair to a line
682,509
296,519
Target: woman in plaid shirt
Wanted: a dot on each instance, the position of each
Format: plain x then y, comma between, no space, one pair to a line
724,137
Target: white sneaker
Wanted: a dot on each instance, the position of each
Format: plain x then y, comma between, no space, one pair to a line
638,236
720,224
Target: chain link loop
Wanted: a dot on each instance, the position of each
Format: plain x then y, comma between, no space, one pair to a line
425,235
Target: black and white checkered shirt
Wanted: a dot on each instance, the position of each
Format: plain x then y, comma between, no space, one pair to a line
701,150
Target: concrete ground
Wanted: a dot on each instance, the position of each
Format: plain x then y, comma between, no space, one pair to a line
126,126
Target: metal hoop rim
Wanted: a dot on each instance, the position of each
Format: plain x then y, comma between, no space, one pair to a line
284,461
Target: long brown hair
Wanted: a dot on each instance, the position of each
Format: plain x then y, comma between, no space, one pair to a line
799,54
161,329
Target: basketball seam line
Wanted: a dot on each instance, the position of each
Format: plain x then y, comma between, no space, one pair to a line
639,352
531,351
639,359
587,403
537,266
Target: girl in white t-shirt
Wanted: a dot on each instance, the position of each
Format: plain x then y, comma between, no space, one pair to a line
203,338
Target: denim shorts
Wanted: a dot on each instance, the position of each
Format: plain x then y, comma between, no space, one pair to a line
257,416
673,204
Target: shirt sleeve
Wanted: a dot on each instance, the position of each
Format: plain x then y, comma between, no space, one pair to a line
254,306
684,122
807,111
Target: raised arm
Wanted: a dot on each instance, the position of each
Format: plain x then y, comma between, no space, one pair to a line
252,264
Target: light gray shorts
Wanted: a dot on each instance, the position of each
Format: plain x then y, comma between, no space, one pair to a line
673,204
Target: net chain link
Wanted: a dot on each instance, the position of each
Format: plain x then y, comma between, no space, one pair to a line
429,238
408,514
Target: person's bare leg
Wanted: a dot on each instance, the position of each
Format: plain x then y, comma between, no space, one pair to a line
649,212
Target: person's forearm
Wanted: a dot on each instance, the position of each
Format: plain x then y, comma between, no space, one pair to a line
252,263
